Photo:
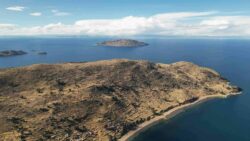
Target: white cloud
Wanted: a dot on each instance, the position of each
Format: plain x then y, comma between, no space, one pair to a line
7,26
16,8
227,25
165,24
59,13
36,14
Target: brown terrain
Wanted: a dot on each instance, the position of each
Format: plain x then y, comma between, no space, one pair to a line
99,101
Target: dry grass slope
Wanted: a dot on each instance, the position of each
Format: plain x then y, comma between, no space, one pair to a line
97,100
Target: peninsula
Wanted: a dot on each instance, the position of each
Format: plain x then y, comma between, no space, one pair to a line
7,53
104,100
123,43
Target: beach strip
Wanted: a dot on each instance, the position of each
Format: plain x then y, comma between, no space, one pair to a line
169,114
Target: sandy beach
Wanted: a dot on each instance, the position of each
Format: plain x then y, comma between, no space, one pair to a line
169,114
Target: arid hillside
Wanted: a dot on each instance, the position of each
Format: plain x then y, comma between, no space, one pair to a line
96,100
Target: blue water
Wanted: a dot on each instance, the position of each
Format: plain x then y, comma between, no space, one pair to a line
216,120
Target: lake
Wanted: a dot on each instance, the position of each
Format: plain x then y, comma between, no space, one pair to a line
217,120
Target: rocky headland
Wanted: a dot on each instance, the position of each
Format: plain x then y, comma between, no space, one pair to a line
101,100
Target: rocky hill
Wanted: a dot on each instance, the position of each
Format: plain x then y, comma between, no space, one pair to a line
123,43
97,100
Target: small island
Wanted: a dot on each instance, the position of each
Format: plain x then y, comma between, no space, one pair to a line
42,53
105,100
7,53
123,43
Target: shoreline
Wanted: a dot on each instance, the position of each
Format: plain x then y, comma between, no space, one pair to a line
169,114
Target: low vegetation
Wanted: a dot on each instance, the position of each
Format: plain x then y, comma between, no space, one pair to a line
98,100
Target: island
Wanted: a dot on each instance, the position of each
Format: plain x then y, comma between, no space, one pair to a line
7,53
42,53
104,100
123,43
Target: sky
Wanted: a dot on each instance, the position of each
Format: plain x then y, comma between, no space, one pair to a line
125,17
